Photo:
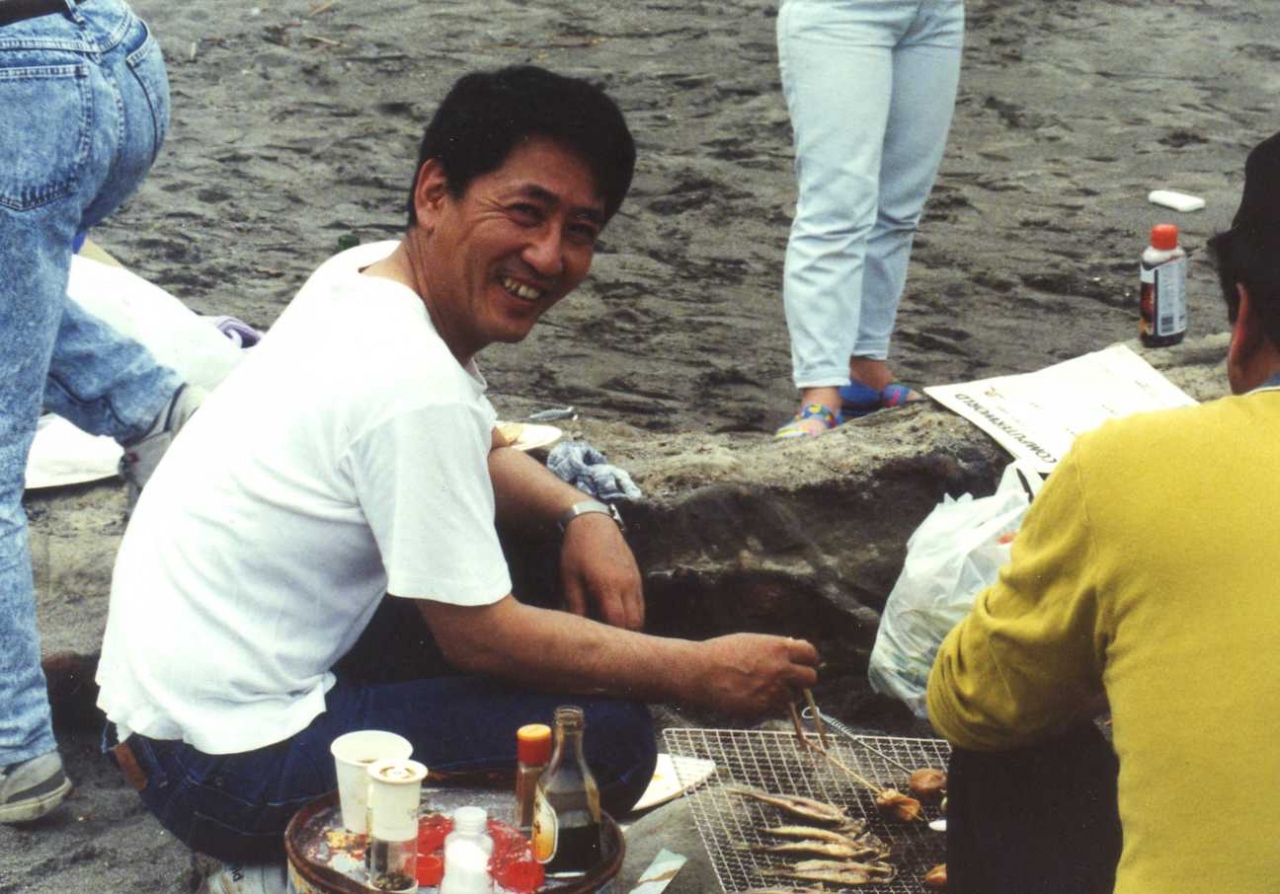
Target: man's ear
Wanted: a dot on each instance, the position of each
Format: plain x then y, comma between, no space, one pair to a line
1247,338
429,193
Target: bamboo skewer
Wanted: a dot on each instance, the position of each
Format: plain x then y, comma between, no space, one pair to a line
817,716
798,723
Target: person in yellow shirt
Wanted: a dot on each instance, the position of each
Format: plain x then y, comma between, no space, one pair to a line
1145,578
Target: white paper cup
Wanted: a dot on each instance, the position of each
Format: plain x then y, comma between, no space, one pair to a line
352,755
395,788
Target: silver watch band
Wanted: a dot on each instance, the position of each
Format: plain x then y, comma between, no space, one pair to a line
586,507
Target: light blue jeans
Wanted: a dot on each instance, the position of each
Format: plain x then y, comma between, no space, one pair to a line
84,102
870,85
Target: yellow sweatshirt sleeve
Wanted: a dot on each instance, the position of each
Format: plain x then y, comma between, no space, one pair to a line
1027,661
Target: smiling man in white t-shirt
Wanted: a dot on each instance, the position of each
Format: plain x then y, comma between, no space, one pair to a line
353,454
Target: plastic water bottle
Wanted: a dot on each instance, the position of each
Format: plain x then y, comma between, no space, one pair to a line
1163,295
466,854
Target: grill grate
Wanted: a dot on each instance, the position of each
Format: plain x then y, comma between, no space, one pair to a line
774,762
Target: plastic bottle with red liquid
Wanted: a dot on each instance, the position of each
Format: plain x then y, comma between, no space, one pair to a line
1163,296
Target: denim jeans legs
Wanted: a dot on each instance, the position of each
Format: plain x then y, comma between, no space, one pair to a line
85,105
870,86
235,807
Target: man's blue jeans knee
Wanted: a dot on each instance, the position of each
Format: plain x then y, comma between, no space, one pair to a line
85,106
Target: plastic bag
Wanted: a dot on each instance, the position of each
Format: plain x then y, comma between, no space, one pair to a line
955,554
175,335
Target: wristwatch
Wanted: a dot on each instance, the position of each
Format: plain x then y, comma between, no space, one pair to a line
588,506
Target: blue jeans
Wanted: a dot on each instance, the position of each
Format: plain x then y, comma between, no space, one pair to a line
85,105
236,806
870,85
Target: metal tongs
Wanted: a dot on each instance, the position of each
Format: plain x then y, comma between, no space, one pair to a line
822,748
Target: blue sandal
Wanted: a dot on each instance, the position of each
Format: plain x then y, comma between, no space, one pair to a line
857,399
811,421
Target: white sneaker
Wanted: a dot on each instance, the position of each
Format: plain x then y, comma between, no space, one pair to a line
32,788
246,878
141,458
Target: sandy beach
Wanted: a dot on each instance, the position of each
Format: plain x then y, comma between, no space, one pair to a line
296,123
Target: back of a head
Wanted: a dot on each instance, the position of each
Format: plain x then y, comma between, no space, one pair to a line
1249,252
487,114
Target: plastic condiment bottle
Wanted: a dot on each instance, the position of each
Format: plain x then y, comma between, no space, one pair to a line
566,817
466,854
533,750
1163,295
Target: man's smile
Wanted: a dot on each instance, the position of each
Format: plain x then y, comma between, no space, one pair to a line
521,290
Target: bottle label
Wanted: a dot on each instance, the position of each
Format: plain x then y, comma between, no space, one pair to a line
1170,297
1147,301
546,830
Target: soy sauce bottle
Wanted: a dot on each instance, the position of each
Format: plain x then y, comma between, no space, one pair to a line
566,814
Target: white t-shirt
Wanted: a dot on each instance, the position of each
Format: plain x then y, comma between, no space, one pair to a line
344,458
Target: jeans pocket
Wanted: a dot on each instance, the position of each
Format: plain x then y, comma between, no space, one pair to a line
44,143
147,65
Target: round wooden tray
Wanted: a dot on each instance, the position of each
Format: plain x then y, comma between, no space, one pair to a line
326,859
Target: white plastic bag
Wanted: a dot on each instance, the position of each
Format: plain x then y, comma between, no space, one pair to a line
954,554
174,334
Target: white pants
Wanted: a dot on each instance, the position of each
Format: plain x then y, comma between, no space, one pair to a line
870,85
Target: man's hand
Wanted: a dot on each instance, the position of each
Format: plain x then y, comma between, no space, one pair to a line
597,565
752,674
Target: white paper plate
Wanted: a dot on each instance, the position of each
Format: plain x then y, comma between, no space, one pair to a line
62,454
665,785
525,436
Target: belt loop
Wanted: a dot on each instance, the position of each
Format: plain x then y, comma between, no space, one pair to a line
74,12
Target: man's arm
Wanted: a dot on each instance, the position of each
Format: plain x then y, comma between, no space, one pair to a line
742,674
1027,661
595,560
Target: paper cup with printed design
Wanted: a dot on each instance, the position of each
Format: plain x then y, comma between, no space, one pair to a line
352,755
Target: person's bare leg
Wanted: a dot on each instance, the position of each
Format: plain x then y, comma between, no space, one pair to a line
828,396
810,426
870,372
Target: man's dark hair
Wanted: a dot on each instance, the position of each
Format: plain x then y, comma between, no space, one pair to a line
1252,258
1249,252
487,114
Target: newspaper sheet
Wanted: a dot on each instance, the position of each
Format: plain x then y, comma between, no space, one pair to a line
1036,416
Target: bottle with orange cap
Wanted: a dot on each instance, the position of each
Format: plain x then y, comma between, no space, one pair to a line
533,751
1163,296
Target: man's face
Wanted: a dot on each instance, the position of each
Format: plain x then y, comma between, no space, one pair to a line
520,239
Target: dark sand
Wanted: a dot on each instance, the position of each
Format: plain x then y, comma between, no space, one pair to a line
291,130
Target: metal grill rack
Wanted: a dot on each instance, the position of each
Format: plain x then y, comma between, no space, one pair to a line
775,762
